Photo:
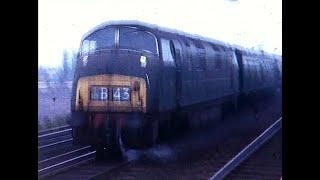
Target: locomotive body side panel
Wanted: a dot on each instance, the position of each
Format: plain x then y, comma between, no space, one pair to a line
259,72
205,72
208,73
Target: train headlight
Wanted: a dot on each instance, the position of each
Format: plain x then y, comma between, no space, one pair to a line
121,93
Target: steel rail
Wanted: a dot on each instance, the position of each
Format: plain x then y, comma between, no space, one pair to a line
61,155
47,131
248,150
52,144
67,161
53,133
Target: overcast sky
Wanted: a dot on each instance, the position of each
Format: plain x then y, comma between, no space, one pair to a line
250,23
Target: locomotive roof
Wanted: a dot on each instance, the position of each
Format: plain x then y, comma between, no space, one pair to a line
154,27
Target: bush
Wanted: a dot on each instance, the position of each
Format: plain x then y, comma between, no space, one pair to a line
40,126
47,123
60,120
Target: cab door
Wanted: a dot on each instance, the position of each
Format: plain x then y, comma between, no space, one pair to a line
167,97
176,50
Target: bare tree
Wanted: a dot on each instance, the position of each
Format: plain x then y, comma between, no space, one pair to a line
73,64
44,76
64,70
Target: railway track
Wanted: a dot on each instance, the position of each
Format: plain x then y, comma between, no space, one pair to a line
54,142
57,155
47,131
94,170
65,161
56,152
214,164
54,136
245,153
266,163
83,166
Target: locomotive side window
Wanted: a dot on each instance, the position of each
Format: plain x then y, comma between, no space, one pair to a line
85,47
209,59
166,53
197,56
101,39
187,43
215,47
199,62
198,44
201,65
187,59
132,38
218,61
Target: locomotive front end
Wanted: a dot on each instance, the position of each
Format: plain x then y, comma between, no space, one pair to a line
113,88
